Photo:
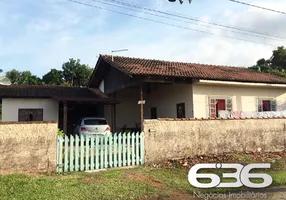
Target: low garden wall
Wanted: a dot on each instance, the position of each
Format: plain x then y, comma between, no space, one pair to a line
28,146
173,138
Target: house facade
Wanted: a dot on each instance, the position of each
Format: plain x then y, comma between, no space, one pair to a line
182,90
29,110
128,90
52,103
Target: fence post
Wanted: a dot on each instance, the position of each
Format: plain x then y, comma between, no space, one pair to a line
66,152
115,150
124,149
81,152
119,149
128,149
133,149
101,152
71,153
137,148
92,153
59,154
96,152
142,151
76,153
87,152
110,150
105,151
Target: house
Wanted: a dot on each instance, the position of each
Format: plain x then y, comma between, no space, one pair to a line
150,89
52,103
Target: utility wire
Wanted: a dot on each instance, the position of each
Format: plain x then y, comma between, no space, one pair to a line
255,6
188,22
126,3
168,24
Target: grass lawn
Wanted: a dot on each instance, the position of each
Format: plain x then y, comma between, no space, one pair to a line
134,183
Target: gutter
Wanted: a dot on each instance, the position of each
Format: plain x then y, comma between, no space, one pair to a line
241,83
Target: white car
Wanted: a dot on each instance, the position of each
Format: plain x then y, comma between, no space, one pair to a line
92,126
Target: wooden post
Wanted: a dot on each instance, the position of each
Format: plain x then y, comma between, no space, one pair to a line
65,118
141,108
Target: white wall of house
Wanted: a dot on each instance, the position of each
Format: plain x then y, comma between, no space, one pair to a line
164,97
10,108
243,97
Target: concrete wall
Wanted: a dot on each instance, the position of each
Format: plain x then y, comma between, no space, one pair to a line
164,97
10,108
166,139
28,146
243,98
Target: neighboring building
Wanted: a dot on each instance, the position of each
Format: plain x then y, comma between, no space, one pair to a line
182,90
51,103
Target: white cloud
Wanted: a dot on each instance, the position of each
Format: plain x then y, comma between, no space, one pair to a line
66,30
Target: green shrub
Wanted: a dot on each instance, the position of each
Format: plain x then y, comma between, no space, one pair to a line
61,132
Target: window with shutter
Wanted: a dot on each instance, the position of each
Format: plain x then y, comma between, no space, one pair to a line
266,105
212,108
273,105
259,105
229,105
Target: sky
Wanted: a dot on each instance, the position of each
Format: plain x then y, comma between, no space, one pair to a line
41,35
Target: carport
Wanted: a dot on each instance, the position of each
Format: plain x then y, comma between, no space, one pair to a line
81,102
52,103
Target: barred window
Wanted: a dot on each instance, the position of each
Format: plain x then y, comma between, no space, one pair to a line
30,115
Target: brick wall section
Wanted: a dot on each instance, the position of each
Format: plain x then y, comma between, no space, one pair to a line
28,146
175,138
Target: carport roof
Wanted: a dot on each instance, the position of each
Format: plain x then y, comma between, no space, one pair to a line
60,93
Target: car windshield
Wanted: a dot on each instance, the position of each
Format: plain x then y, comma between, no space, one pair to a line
95,122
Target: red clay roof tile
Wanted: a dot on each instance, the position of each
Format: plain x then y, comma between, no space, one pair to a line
140,66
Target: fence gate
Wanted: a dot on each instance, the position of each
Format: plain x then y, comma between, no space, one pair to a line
81,153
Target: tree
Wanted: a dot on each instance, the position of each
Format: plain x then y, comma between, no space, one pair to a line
73,73
76,74
275,65
54,77
278,59
25,77
14,76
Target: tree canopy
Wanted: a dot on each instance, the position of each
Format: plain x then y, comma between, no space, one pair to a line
25,77
275,65
73,73
54,77
76,74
